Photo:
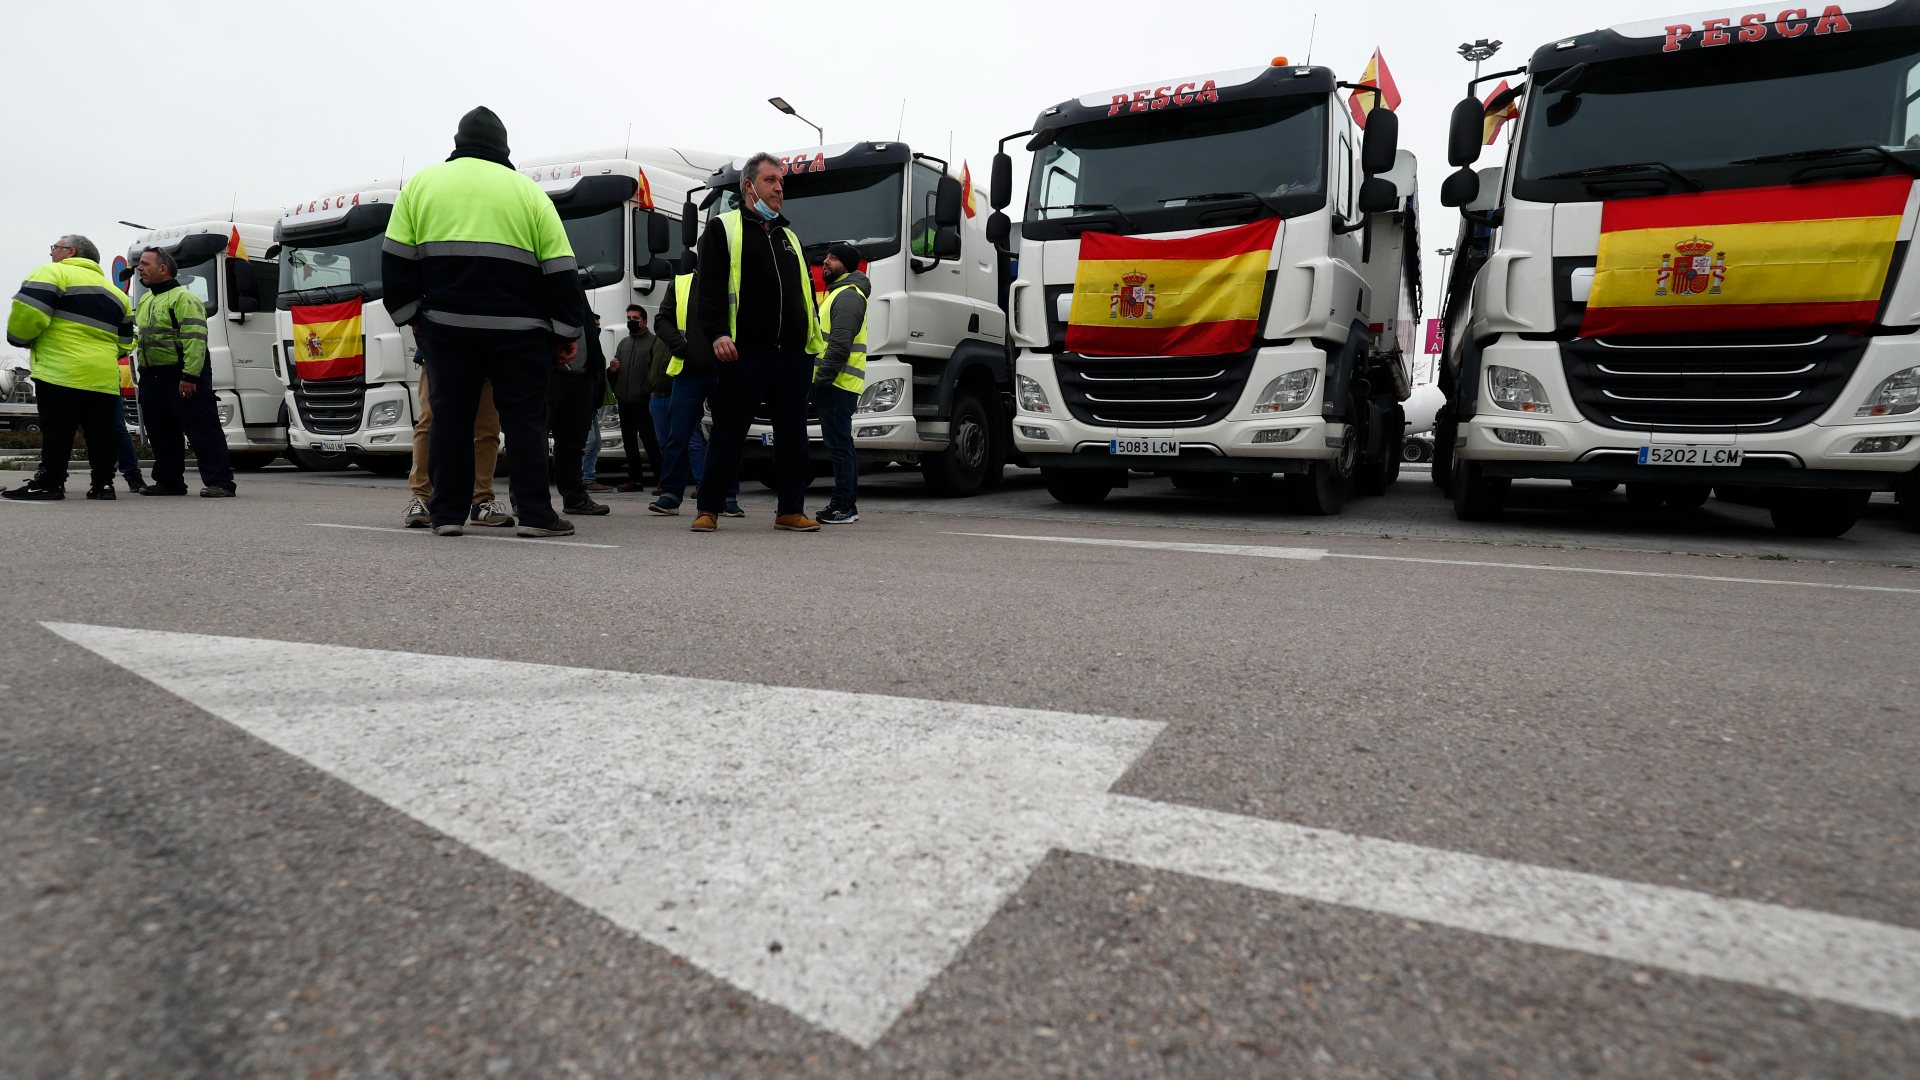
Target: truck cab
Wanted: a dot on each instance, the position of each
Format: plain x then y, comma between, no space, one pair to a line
938,391
1690,270
224,260
1218,276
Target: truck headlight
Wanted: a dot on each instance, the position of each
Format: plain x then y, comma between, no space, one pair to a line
224,410
385,414
1897,395
1288,392
1033,398
610,421
1511,388
882,396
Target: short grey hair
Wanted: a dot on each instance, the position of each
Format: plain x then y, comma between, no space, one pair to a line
165,258
82,247
752,169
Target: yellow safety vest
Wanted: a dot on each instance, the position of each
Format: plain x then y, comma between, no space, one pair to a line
854,376
730,224
682,285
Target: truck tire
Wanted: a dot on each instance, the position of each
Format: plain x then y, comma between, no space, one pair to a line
1477,496
1907,494
251,460
968,464
1817,513
384,464
1077,487
1415,450
314,461
1444,431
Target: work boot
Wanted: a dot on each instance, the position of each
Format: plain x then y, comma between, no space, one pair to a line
587,508
417,516
598,488
213,491
559,527
796,523
455,529
104,492
36,490
490,514
136,485
704,521
159,489
629,487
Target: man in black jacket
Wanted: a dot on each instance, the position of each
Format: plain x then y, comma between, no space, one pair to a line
574,393
765,335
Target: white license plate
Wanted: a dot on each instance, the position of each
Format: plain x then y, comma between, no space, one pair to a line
766,438
330,447
1690,455
1145,447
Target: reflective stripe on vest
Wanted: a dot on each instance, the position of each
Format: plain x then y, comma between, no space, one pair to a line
731,225
853,377
682,286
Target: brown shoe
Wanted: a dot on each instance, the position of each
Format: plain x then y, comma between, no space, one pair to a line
796,523
629,487
705,522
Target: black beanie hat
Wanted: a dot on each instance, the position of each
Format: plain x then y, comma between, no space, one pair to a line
481,130
848,255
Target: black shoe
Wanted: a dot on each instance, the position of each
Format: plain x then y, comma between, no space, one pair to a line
136,485
104,492
156,489
559,527
587,508
36,490
215,492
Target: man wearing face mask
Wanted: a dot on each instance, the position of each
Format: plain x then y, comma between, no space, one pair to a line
758,311
630,372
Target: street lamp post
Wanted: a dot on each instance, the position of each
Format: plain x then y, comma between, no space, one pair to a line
1478,51
781,104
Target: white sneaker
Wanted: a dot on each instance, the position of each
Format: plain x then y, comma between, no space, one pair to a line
417,516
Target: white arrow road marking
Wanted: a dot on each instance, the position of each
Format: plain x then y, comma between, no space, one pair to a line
832,853
1261,552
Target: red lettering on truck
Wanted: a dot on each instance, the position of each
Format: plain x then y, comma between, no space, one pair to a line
1758,26
1163,97
1714,32
1791,23
1833,21
1676,34
1753,27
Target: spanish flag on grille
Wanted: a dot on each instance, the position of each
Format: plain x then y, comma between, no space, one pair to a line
328,342
1196,296
1757,258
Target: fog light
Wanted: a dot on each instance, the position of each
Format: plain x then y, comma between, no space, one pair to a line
1033,398
1277,435
1287,393
1038,434
378,440
385,414
1511,388
1518,437
1881,444
225,411
874,432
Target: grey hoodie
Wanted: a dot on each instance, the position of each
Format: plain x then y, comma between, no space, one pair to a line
849,315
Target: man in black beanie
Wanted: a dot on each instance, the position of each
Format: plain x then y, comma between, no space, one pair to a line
477,262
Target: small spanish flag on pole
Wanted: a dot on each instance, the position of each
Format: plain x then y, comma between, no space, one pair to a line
644,193
235,248
1384,93
328,341
1497,118
966,189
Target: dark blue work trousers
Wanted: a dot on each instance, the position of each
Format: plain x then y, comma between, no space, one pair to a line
175,421
517,363
776,378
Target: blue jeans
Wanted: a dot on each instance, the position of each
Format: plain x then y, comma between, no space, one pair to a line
590,460
129,460
683,448
835,406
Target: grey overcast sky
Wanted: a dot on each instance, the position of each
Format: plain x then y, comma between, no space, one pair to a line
154,112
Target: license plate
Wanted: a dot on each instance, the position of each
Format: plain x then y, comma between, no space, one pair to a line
766,438
1690,455
330,447
1145,447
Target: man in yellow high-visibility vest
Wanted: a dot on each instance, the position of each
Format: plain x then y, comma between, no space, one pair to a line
841,375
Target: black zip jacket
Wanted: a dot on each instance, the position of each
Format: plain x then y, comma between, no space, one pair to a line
776,300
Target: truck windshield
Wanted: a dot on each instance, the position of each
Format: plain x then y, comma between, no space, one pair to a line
197,279
324,261
598,236
859,205
1846,105
1181,169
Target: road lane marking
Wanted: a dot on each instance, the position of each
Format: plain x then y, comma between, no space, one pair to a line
471,531
1262,552
832,853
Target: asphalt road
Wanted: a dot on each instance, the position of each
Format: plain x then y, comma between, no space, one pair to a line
1175,785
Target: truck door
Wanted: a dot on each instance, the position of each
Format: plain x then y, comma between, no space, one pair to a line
937,313
251,288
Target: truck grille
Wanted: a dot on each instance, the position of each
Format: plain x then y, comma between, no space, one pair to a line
1755,383
331,406
1157,391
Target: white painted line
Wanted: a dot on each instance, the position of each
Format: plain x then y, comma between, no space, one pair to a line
832,852
1255,551
473,532
1258,551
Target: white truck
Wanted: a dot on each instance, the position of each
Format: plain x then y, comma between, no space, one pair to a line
248,382
1690,273
937,388
331,253
1218,276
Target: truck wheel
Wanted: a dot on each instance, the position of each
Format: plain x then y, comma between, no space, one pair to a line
384,464
963,468
1817,513
1477,496
314,461
1414,451
250,460
1444,431
1077,487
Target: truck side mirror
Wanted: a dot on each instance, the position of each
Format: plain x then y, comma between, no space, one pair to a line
241,296
1381,144
689,226
1000,185
1466,132
1461,188
946,244
999,230
946,204
1378,195
659,239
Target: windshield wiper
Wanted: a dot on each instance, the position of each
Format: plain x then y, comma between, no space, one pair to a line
1881,152
1215,196
1601,171
1118,214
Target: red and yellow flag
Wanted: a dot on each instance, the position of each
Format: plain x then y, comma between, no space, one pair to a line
235,248
1196,296
1756,258
1384,92
1497,119
644,193
127,389
328,342
966,189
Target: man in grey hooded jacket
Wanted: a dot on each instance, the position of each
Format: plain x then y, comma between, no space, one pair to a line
840,375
